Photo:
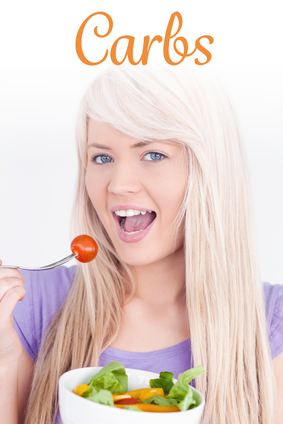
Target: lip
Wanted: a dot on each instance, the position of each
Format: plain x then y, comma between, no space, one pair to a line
131,238
127,207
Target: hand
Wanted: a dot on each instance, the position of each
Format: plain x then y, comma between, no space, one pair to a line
11,291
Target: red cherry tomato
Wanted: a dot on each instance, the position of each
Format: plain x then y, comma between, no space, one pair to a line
85,247
127,401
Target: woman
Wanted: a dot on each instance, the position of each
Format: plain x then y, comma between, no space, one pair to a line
163,188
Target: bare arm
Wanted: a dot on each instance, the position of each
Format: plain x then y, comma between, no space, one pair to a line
25,375
15,384
278,369
8,394
13,361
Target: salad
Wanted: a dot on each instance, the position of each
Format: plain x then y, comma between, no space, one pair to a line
110,387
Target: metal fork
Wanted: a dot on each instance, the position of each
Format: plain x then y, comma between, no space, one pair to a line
54,265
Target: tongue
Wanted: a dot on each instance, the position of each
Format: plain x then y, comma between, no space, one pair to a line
138,222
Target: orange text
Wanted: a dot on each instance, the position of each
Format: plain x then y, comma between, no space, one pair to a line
170,38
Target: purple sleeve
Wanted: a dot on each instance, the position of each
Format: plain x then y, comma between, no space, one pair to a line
274,315
46,291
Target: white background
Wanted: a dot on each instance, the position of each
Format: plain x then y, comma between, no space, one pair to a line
42,81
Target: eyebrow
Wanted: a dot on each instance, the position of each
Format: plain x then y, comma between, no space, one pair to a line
134,146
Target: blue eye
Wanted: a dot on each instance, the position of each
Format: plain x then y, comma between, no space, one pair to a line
99,159
154,156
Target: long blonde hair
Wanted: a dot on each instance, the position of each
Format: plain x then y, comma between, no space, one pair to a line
224,293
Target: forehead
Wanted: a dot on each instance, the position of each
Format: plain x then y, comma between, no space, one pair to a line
102,134
99,129
99,132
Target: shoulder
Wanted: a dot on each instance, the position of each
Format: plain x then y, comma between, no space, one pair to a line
46,291
274,314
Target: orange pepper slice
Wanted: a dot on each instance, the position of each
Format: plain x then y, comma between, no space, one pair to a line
153,408
143,394
157,408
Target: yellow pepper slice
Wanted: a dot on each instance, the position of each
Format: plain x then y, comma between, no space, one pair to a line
148,393
119,396
79,390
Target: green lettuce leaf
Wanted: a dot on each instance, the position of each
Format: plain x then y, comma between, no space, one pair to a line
112,377
165,381
182,392
159,400
108,381
99,396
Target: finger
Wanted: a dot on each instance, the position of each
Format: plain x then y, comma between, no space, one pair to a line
10,272
9,302
8,284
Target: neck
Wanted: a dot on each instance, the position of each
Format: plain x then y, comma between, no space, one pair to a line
162,282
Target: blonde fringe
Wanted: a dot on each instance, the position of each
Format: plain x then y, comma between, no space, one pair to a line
224,294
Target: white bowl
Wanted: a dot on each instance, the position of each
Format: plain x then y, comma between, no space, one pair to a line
75,409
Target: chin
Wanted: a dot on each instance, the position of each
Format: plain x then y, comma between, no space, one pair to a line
133,261
136,259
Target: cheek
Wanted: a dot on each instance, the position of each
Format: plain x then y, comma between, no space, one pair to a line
89,186
174,193
172,203
94,190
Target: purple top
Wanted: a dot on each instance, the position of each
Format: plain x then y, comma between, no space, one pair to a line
47,290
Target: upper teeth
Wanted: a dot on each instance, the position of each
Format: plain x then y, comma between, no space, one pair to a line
130,212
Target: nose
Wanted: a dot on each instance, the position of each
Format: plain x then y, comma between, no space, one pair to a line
124,180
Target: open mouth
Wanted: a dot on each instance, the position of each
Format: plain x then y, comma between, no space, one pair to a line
136,223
